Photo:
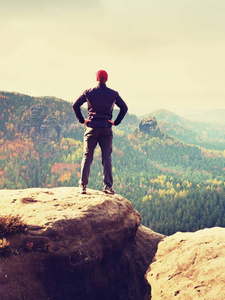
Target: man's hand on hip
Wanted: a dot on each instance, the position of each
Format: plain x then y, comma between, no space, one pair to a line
87,121
112,122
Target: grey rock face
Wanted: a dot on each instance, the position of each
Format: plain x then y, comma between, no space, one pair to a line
147,125
40,121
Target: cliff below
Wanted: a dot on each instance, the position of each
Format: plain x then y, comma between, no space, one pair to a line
73,246
56,244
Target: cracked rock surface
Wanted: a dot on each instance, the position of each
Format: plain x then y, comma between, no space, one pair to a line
189,266
75,246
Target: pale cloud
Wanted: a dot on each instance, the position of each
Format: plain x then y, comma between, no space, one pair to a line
36,6
159,51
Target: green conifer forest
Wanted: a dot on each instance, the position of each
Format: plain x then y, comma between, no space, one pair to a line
173,175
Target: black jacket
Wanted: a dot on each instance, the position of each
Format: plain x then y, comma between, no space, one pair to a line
100,100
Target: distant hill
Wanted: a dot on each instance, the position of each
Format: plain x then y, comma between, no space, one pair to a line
214,116
206,134
18,110
169,117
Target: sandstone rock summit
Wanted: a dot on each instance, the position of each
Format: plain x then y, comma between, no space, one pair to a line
148,124
75,246
189,266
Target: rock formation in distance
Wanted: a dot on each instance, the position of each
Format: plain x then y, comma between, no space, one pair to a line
148,125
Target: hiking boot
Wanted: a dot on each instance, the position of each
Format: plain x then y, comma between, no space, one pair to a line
83,188
108,190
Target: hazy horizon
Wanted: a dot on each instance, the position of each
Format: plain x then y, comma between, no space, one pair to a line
160,54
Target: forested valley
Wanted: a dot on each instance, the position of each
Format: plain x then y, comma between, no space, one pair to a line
174,175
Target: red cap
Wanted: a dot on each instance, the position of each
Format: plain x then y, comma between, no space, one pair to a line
102,75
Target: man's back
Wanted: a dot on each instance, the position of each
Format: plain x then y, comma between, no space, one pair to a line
101,100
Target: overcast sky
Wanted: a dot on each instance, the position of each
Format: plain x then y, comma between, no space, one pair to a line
158,53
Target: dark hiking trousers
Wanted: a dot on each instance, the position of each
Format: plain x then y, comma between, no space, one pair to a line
92,137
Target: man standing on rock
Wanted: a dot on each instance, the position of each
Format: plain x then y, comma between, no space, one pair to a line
100,101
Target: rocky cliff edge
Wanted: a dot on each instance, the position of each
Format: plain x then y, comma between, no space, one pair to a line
73,246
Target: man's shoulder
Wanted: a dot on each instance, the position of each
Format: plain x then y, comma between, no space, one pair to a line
97,90
88,91
91,91
112,91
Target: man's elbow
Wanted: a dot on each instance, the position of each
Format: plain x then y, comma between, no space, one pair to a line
125,108
76,108
75,105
